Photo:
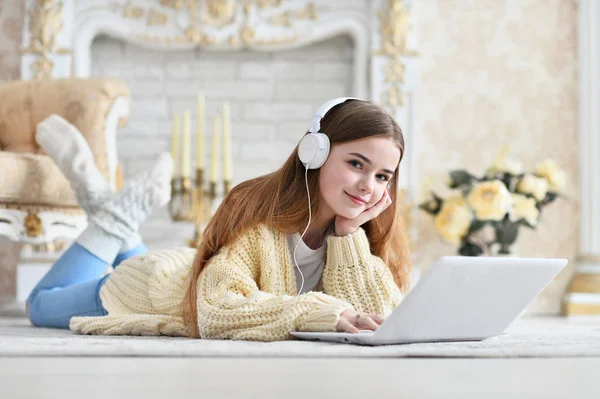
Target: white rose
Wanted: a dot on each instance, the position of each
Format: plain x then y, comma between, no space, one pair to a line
524,208
506,165
553,174
536,186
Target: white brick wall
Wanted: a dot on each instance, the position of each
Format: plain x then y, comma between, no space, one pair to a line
272,97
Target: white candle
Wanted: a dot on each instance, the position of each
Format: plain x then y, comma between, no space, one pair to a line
214,167
185,147
200,162
226,142
175,144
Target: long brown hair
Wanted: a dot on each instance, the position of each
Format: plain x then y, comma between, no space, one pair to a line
246,206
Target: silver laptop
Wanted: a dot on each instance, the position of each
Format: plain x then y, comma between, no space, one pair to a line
458,299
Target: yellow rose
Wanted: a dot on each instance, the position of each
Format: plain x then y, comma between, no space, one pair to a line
453,220
536,186
490,200
503,164
554,175
524,208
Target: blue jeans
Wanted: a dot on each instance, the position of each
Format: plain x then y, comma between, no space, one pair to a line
72,287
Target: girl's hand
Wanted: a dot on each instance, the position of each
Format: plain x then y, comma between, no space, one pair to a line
352,321
344,226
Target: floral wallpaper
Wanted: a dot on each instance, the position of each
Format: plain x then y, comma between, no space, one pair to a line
495,73
492,73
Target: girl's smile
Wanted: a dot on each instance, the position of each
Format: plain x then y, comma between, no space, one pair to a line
355,200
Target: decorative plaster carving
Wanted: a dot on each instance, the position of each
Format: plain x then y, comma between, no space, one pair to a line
394,26
207,18
46,21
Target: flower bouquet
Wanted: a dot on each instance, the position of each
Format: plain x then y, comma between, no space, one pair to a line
484,217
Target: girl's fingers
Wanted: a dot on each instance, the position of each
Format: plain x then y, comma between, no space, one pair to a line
377,318
345,326
384,202
365,322
379,207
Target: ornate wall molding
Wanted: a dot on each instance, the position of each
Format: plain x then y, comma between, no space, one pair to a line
45,23
222,25
207,19
258,25
30,226
394,27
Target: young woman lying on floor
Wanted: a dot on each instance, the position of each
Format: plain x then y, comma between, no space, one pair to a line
317,245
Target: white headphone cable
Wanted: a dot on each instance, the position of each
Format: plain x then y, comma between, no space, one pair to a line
305,230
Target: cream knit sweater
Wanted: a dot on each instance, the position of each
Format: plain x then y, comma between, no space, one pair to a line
247,290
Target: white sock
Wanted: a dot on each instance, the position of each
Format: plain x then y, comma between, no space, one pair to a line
67,147
131,242
123,213
70,151
102,244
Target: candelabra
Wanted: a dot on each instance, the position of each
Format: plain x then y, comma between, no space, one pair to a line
191,201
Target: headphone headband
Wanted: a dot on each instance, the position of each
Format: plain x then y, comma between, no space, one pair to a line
315,125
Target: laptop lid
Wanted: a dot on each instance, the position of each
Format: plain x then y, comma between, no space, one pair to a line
464,298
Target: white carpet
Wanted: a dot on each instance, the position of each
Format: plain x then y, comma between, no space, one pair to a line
526,337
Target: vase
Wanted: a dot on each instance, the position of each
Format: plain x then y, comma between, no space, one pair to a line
485,239
506,251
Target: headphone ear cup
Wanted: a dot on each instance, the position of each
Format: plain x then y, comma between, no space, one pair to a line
313,150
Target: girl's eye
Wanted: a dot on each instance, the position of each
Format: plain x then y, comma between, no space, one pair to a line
355,164
358,165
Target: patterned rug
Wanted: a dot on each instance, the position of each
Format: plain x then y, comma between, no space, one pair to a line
526,337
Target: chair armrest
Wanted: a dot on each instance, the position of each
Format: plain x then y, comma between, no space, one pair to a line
95,106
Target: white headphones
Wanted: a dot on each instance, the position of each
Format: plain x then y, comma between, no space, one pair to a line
313,149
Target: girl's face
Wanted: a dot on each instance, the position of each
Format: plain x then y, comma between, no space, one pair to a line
356,175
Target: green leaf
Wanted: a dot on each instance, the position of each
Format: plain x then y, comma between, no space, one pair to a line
433,205
476,225
460,177
550,197
437,197
507,231
429,208
525,223
470,249
507,179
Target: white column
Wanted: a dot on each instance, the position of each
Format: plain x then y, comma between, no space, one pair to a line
394,85
583,296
